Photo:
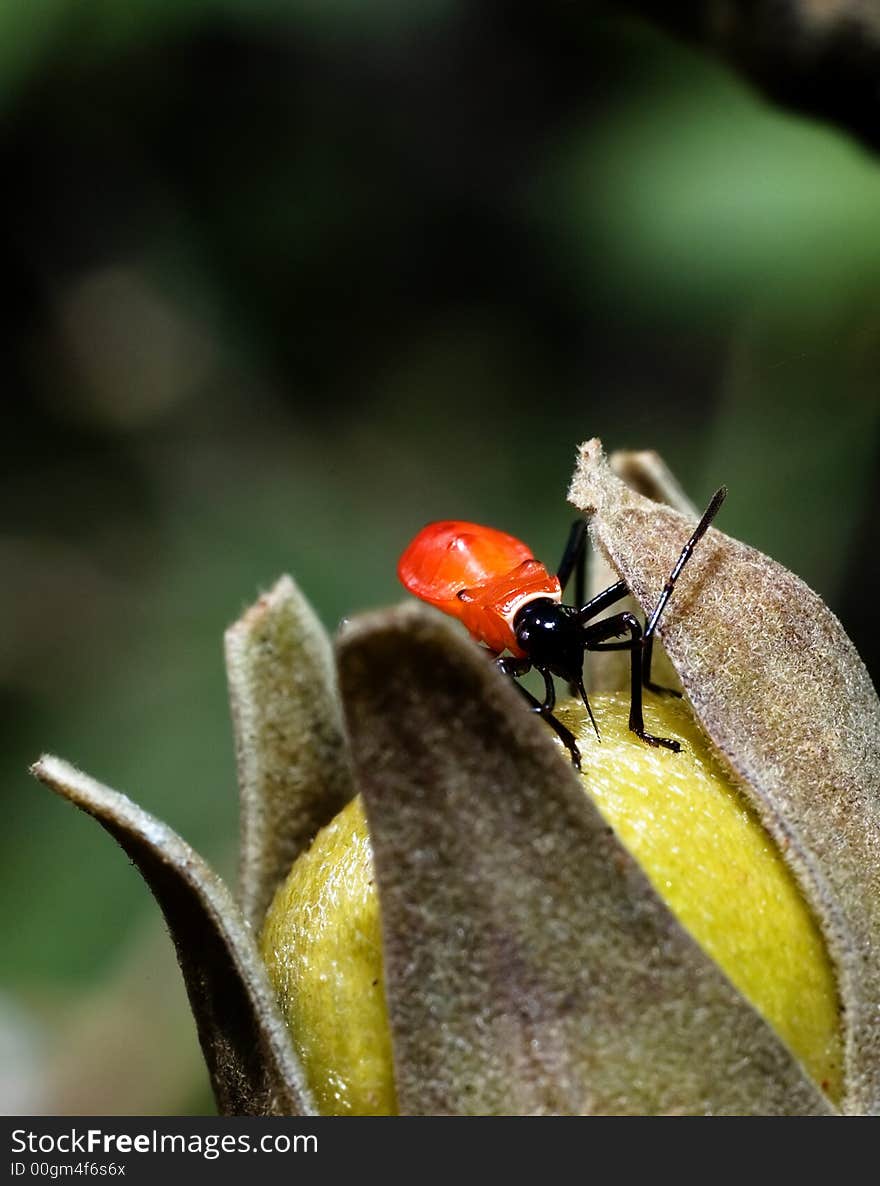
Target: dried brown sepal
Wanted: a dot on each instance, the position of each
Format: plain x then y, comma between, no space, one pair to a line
530,967
247,1048
646,471
782,693
293,768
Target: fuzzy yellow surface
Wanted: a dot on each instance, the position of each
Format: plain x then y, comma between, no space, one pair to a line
698,842
707,855
323,948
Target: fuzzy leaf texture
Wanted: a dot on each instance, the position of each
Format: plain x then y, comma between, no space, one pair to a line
293,769
784,697
530,967
247,1049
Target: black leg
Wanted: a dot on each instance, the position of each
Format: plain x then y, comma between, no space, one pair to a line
577,689
515,667
574,559
549,689
603,600
596,639
686,552
593,607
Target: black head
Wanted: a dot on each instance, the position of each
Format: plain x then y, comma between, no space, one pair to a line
552,637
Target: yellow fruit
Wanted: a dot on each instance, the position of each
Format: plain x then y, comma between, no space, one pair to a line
698,842
710,859
323,948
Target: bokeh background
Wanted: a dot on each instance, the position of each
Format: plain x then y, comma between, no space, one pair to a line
285,279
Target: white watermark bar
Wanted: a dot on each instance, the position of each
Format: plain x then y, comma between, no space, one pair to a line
208,1145
139,1149
353,1149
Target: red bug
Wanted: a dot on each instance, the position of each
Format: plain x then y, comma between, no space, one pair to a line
508,600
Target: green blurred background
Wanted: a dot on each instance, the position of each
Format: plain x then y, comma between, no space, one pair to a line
286,279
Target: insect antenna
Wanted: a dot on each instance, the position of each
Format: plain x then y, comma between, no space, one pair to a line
583,695
686,552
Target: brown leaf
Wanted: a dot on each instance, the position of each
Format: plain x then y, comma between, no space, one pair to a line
646,471
253,1068
530,967
782,693
293,767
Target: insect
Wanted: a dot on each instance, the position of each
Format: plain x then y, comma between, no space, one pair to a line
508,600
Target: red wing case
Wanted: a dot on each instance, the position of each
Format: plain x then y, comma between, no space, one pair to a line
449,556
477,574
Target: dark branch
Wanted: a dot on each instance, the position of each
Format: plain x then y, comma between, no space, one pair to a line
820,57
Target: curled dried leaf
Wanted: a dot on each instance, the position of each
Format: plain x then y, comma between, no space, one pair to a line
293,769
786,700
530,967
247,1048
646,471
